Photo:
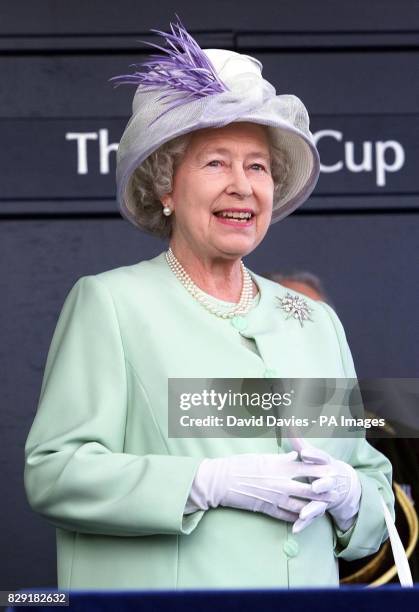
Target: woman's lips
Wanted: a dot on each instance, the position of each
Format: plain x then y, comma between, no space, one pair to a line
235,222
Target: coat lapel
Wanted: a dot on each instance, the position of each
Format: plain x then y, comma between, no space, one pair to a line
282,342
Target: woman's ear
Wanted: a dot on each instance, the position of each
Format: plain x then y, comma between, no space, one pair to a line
166,200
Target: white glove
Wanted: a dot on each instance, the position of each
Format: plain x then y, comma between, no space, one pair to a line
336,476
257,482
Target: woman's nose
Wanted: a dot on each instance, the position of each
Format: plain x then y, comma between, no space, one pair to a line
239,182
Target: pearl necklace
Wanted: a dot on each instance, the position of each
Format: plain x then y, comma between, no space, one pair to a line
242,307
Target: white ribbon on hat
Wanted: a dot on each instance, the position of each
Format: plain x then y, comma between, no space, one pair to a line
248,90
229,64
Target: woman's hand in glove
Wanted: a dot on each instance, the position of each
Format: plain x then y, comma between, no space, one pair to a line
256,482
337,476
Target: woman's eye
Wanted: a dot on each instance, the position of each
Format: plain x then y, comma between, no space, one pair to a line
217,162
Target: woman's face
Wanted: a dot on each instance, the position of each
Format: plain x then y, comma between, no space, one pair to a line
224,174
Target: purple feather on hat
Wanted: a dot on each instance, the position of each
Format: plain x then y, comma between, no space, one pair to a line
182,70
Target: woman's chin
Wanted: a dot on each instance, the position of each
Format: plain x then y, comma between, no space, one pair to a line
237,246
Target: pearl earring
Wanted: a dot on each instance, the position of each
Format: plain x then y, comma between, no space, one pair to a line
167,210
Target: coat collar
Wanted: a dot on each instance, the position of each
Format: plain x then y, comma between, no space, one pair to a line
267,317
267,323
269,326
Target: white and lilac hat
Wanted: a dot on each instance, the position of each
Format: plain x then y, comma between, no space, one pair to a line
186,88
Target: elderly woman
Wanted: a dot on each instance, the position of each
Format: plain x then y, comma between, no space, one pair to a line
209,159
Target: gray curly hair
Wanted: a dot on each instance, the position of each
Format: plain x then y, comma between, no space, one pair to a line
154,177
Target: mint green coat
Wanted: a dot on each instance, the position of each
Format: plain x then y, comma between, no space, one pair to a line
101,468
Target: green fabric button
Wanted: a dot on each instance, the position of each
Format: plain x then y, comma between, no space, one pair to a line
291,547
270,373
239,322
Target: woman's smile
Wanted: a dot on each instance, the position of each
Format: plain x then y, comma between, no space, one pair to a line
235,217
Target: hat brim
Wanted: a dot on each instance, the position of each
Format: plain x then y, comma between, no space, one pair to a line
303,157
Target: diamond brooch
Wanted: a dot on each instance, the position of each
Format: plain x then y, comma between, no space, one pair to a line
296,307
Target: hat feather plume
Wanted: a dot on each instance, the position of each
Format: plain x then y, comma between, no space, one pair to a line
182,71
